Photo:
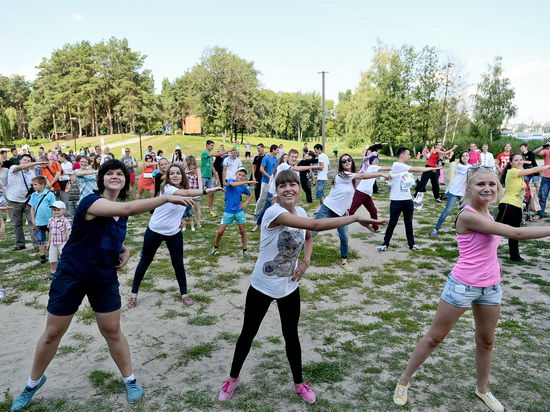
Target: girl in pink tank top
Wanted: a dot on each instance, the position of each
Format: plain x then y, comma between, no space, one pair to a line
474,282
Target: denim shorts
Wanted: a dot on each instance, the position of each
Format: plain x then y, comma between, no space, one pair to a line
207,182
229,218
40,235
188,211
534,179
320,189
67,293
463,296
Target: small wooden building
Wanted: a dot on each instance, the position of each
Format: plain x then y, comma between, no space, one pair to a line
192,125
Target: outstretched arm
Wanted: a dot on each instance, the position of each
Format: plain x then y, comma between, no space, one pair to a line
474,222
533,170
196,192
104,207
318,225
420,169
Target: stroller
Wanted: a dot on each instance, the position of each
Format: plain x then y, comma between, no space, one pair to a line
530,204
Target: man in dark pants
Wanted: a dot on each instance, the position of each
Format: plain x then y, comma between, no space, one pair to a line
400,197
256,163
309,159
433,174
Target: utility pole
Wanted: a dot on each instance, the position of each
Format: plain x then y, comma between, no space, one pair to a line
323,121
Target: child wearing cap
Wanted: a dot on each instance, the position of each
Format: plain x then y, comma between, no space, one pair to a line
40,202
234,209
60,229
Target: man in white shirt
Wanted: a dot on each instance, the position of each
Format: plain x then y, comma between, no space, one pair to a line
19,183
486,158
230,166
401,198
322,175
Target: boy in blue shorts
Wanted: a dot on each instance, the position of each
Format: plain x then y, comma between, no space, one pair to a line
40,202
234,209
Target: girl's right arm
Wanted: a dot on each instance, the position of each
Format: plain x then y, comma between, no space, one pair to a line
318,225
81,172
474,222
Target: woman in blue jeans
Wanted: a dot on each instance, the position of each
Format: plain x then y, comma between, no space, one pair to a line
165,226
455,191
339,199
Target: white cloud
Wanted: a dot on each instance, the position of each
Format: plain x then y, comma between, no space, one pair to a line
527,69
77,16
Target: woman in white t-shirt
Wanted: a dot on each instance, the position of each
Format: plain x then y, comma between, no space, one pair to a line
365,189
165,226
455,190
340,197
286,230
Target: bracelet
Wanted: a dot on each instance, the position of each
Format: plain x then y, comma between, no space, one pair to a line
304,262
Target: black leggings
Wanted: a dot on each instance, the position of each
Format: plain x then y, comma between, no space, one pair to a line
306,187
254,311
511,216
151,242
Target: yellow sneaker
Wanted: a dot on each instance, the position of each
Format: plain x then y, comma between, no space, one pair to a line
400,394
490,400
347,267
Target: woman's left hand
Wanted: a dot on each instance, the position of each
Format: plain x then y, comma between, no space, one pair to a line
299,271
123,257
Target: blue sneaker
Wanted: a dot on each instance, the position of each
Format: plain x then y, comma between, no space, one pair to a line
24,399
135,391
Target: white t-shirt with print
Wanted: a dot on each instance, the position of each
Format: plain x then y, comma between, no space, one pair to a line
323,174
367,185
341,195
166,219
232,166
279,251
400,182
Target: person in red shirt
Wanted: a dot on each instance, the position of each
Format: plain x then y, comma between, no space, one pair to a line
433,175
504,158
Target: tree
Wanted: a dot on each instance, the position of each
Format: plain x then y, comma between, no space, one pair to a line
227,87
493,101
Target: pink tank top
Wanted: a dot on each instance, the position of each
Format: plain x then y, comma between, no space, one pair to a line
478,263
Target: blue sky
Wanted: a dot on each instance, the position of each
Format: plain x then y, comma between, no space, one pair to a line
290,41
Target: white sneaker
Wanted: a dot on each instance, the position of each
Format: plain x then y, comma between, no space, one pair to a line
382,248
490,400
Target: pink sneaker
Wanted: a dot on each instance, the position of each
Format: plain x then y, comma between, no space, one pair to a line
305,392
227,390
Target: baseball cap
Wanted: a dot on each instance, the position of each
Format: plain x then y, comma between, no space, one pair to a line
177,148
59,204
241,169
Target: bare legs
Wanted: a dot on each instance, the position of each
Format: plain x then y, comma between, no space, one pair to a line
109,326
445,318
485,316
56,326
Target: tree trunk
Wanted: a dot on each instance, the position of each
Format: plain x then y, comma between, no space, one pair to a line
110,118
54,127
224,134
96,130
183,122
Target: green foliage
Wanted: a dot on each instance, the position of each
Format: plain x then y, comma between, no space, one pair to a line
493,101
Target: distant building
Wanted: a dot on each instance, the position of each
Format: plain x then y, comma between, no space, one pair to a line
192,125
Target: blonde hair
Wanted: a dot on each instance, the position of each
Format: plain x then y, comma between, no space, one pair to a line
472,172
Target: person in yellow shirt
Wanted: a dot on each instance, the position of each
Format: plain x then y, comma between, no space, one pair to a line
510,207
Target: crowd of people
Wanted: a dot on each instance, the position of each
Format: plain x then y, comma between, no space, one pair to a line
76,201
